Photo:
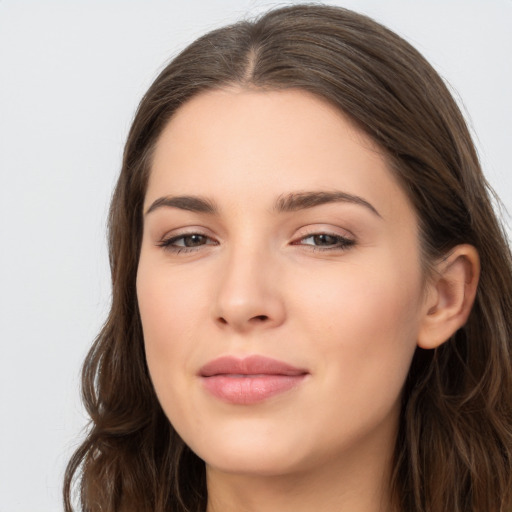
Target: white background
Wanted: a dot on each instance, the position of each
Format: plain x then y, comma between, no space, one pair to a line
71,75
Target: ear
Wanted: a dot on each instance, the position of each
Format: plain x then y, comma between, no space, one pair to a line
450,296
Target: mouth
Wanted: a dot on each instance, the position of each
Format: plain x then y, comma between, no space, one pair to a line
249,380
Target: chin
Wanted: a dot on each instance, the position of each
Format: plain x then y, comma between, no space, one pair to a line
265,463
251,452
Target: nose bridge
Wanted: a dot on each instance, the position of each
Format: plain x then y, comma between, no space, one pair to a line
248,294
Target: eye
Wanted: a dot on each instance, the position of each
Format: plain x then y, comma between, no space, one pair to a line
326,241
186,242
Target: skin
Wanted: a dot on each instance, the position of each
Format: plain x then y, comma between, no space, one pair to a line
259,281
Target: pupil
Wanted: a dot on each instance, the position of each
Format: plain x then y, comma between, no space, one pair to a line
324,240
194,240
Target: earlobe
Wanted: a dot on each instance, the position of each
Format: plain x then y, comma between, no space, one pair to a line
450,296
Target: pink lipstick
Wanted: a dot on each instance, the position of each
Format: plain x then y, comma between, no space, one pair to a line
249,380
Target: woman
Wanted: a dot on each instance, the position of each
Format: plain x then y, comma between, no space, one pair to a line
311,292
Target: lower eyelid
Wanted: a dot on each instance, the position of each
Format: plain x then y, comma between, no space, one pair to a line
338,247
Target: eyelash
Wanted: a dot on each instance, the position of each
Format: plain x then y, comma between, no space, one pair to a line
168,243
340,243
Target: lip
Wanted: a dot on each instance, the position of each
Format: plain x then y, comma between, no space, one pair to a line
249,380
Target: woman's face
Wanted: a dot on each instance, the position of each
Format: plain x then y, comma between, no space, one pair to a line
279,284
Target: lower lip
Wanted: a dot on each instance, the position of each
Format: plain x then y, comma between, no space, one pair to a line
250,389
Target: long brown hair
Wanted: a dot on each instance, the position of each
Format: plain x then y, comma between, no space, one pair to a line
454,445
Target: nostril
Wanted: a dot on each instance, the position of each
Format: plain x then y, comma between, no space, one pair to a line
249,320
260,318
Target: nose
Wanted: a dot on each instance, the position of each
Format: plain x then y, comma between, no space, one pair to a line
249,294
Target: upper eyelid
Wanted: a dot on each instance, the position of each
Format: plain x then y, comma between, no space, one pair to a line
333,231
188,231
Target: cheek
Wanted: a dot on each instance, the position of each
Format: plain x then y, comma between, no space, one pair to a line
169,302
355,296
365,323
169,309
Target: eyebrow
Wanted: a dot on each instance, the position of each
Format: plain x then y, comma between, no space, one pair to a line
303,200
190,203
285,203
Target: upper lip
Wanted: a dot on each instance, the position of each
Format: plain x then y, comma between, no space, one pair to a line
251,365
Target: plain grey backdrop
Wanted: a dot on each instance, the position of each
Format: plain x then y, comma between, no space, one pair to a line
71,75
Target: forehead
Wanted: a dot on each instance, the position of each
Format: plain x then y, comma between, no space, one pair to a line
244,145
